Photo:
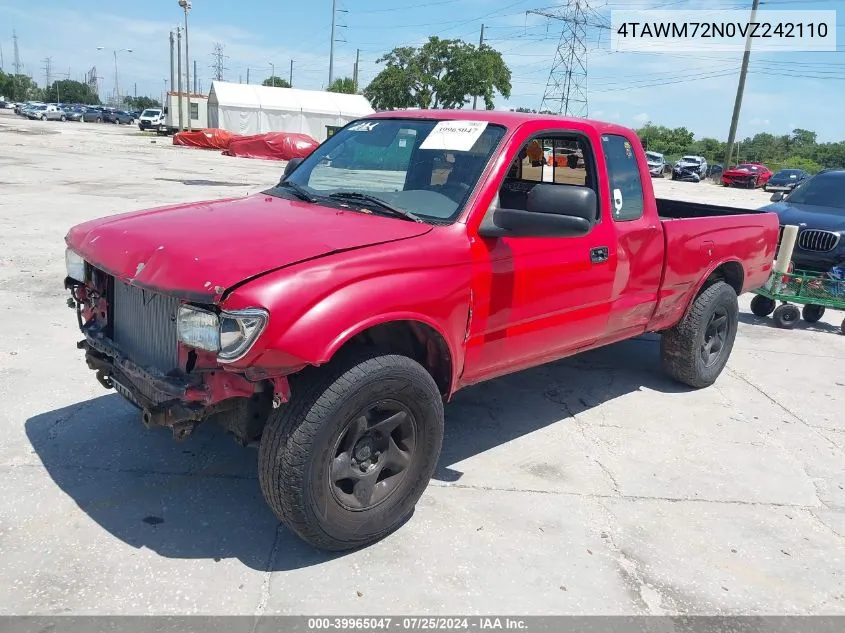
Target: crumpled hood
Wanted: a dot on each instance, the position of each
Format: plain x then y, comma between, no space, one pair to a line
738,173
199,250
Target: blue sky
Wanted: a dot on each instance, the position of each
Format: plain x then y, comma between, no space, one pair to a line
696,90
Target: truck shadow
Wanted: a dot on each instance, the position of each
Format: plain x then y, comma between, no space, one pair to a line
493,413
200,498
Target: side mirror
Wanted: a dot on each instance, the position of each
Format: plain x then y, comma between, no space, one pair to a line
777,196
552,211
293,163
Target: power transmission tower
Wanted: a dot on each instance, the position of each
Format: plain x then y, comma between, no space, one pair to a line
566,89
48,75
219,58
17,53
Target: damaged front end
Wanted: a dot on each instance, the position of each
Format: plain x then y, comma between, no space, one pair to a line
149,347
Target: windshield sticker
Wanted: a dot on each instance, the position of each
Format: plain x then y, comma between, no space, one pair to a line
457,136
617,201
364,126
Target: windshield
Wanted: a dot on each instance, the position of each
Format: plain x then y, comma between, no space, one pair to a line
788,173
422,166
151,113
654,157
690,159
821,191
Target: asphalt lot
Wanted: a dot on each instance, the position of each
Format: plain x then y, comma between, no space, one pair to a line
588,486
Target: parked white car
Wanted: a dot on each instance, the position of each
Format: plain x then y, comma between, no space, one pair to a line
47,112
696,164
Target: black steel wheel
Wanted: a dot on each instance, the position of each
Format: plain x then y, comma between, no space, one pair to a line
696,349
762,306
811,313
842,328
345,461
786,316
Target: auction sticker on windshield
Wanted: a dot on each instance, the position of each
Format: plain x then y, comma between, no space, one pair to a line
457,136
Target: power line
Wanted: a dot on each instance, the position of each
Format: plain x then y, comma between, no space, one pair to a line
219,58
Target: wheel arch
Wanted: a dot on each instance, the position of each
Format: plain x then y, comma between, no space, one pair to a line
411,335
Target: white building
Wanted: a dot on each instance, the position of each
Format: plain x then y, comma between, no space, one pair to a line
249,109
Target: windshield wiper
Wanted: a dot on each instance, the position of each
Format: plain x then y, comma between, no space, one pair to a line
386,206
298,190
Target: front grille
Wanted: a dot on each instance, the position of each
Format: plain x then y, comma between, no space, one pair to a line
818,241
144,326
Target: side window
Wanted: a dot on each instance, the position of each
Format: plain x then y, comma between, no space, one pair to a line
559,159
626,187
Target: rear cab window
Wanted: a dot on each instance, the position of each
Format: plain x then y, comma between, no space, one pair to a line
625,183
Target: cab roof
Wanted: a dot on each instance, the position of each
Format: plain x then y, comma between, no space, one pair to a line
508,119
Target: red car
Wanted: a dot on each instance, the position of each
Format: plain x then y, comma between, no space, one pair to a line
412,254
748,175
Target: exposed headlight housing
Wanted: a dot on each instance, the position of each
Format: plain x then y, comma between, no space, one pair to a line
229,335
75,266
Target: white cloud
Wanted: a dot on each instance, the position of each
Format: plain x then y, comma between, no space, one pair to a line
758,122
641,118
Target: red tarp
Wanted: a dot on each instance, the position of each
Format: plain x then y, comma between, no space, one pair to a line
272,146
211,138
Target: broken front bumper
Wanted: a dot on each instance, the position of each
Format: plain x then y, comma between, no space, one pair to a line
178,402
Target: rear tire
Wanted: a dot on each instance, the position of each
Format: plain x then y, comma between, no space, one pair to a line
786,316
323,461
696,349
812,313
762,306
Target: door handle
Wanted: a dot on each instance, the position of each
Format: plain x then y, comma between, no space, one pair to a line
599,254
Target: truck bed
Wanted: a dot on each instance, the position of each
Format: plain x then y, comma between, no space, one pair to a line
681,210
698,238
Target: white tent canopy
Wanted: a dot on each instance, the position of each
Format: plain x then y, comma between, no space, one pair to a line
250,109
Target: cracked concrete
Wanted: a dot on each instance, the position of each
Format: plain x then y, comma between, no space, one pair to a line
589,486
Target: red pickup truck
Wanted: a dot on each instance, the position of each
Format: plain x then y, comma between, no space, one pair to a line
410,255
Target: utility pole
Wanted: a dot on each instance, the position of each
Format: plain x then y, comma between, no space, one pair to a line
273,74
172,72
179,75
290,79
247,75
331,47
480,44
1,57
355,69
740,89
186,6
566,88
195,77
136,90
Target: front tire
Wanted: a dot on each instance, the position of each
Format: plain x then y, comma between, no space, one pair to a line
345,461
696,349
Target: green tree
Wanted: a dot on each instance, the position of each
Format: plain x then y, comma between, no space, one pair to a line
275,82
343,84
439,74
19,88
140,103
69,91
671,142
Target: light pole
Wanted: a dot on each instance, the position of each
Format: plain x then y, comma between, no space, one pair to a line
164,94
273,73
186,6
116,75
